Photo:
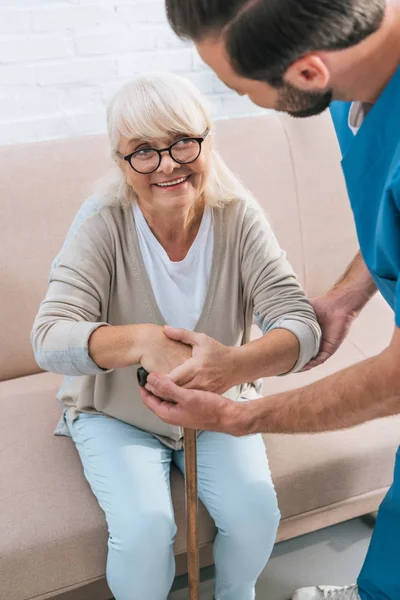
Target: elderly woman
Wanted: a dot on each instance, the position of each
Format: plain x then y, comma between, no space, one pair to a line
175,239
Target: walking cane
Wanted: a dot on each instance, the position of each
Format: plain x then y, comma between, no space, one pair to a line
191,494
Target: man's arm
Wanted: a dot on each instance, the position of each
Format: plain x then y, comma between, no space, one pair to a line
366,391
337,309
215,367
355,287
361,393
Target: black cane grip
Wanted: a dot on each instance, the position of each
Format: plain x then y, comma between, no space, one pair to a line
142,376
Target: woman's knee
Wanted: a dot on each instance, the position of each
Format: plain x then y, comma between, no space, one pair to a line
252,515
140,560
143,536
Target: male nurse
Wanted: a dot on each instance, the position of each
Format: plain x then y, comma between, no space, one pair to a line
301,57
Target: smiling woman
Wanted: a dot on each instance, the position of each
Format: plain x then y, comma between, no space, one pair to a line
172,239
163,121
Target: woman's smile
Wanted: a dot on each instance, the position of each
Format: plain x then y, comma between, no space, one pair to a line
173,184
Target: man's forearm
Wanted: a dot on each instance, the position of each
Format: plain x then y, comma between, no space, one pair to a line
366,391
355,287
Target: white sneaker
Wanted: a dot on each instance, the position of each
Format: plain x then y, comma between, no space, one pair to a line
327,592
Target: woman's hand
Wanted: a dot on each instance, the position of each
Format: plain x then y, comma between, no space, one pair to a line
159,353
211,366
117,347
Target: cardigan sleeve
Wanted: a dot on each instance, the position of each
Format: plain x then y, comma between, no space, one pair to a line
271,286
78,289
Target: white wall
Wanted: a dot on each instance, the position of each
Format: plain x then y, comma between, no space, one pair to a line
61,60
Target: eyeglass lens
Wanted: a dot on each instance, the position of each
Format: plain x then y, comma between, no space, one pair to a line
183,151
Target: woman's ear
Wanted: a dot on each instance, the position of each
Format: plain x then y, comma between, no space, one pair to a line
309,74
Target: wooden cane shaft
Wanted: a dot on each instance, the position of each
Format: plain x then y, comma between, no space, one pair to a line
192,513
190,444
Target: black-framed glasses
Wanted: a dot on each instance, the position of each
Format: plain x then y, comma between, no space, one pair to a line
183,152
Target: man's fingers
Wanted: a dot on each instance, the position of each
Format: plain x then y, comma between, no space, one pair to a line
150,400
166,411
181,335
308,367
319,360
162,386
323,356
184,373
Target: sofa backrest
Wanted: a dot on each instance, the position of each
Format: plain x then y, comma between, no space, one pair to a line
291,166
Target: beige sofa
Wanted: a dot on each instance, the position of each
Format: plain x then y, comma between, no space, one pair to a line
53,538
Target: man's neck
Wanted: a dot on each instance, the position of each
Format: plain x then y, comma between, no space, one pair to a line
390,53
365,70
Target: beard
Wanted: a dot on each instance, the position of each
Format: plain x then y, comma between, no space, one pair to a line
301,104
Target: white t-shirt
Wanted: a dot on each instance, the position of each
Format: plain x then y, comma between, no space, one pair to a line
179,287
357,114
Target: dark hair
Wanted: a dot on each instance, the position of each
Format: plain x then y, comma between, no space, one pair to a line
264,37
197,19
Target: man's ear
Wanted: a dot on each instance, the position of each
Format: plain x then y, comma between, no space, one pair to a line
309,74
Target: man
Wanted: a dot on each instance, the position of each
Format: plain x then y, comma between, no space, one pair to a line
298,57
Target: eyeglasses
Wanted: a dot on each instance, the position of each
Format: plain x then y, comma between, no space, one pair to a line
183,152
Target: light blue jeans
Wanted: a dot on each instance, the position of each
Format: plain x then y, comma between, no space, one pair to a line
128,471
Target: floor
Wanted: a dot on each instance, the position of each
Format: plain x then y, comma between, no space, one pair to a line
331,556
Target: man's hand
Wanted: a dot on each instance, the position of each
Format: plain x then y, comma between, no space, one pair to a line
211,366
191,409
160,354
335,321
337,309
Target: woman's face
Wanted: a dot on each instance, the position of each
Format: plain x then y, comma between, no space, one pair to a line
172,186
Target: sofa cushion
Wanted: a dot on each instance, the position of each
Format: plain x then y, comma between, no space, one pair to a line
40,198
297,179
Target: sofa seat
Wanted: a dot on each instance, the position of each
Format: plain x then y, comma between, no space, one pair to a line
53,536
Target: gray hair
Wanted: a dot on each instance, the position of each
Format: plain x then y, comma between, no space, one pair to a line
158,105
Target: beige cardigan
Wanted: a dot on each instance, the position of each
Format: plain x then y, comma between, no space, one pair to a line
99,278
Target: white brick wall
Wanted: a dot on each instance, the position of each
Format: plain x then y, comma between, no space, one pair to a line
61,61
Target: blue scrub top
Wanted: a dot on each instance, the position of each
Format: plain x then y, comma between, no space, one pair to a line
371,166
